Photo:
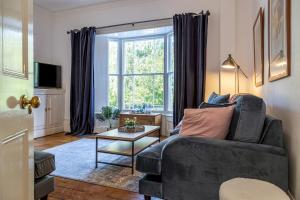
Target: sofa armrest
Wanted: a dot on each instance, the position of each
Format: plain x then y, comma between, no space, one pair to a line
199,164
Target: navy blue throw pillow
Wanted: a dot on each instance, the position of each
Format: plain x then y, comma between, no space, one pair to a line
218,99
208,105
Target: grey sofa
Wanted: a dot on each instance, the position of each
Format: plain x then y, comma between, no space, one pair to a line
188,168
44,164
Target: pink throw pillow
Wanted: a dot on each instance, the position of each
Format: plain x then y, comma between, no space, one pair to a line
208,122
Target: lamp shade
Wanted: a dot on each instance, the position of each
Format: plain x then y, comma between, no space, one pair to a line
229,63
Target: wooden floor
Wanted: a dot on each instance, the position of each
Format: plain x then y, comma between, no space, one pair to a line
76,190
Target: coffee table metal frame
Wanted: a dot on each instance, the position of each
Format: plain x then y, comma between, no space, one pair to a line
133,152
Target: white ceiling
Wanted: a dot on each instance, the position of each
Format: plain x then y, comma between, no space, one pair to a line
59,5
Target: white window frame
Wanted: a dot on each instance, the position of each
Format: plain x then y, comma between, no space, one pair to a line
121,74
168,73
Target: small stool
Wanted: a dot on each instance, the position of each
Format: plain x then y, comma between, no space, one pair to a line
250,189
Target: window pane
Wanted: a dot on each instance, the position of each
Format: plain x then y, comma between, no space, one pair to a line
148,90
113,57
171,92
143,90
144,56
171,53
113,91
158,91
128,93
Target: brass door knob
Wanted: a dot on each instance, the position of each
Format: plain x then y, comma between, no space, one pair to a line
34,102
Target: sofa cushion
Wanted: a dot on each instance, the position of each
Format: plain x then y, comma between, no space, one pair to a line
149,160
272,133
218,99
207,122
209,105
44,164
248,119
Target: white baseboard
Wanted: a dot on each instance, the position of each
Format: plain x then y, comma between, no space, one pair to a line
48,131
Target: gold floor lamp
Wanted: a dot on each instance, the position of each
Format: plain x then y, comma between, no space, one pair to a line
230,63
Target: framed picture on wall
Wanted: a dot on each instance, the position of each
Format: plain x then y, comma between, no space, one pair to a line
258,39
279,39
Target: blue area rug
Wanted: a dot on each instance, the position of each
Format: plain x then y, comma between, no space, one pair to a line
76,160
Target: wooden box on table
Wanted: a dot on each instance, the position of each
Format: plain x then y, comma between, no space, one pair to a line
153,119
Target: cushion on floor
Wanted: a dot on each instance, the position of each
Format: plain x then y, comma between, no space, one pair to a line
44,164
149,161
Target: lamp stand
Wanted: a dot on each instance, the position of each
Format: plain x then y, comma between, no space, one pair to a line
230,63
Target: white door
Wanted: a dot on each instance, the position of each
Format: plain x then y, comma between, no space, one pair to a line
16,125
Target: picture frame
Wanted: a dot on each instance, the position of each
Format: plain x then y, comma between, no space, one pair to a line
258,41
279,39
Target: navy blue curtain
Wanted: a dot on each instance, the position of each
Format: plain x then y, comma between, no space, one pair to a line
190,44
82,81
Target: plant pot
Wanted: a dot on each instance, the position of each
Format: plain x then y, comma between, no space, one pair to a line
130,127
114,123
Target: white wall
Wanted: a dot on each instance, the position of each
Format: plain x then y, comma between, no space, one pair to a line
101,81
244,41
43,22
282,96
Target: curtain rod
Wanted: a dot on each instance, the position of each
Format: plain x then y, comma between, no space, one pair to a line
140,22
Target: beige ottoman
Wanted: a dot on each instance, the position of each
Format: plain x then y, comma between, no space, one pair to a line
250,189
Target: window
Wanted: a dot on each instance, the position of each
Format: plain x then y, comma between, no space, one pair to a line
141,72
113,70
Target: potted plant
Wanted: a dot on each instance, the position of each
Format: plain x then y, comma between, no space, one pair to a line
130,123
142,109
108,114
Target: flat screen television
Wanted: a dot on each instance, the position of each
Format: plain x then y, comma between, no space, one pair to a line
47,75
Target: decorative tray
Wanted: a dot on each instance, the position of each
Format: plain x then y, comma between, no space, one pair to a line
124,129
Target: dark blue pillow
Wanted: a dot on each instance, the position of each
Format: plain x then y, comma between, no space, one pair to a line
208,105
218,99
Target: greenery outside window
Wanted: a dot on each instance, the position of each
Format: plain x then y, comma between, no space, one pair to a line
141,71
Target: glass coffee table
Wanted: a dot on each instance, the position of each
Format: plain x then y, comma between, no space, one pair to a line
126,144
